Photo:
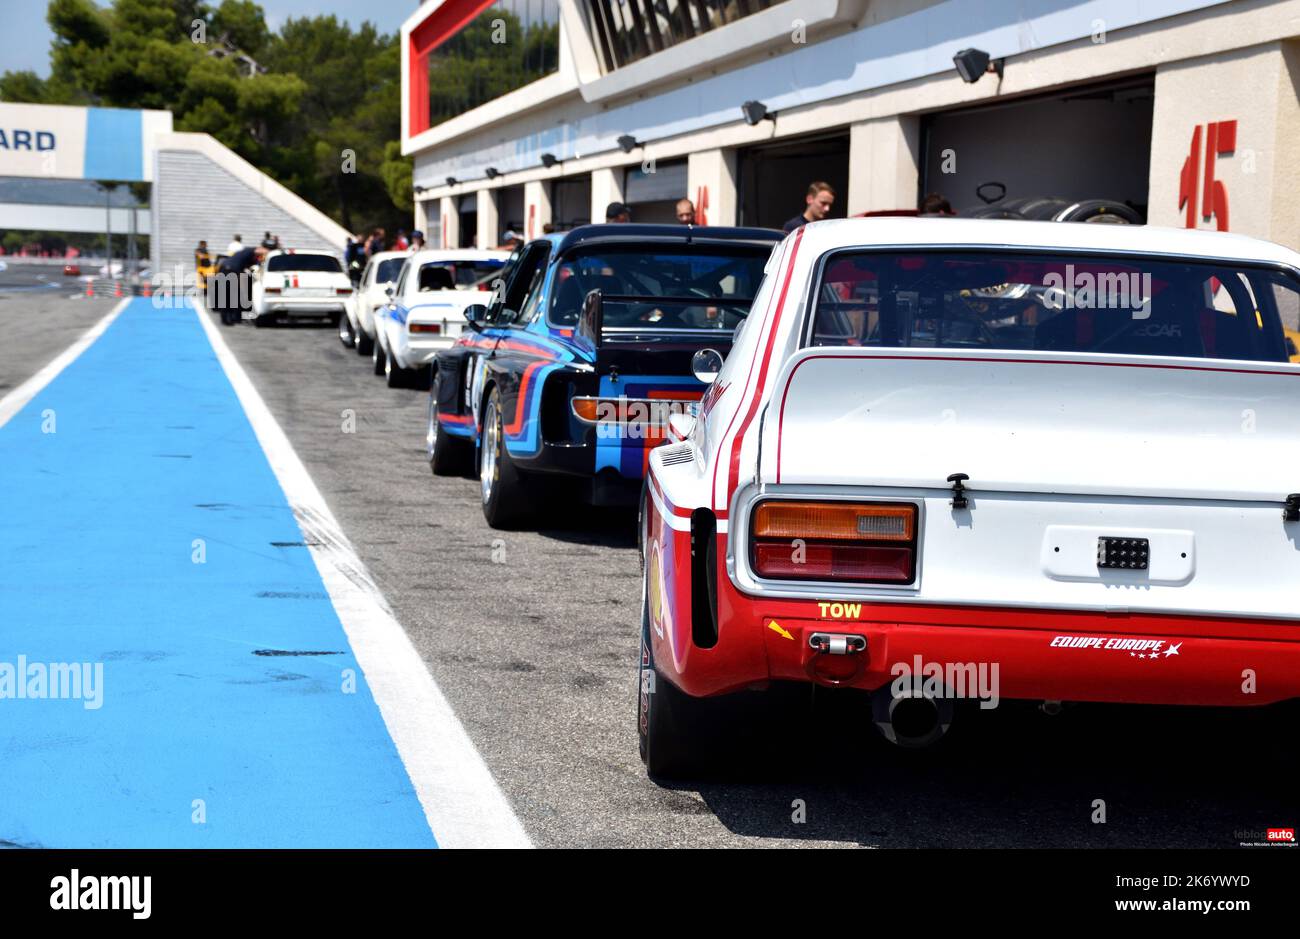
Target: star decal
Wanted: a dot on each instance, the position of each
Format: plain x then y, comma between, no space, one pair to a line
1173,650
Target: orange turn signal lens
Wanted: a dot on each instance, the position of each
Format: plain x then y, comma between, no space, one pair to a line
835,521
586,409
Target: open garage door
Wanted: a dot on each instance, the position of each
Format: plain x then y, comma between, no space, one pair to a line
774,177
652,191
571,202
1039,157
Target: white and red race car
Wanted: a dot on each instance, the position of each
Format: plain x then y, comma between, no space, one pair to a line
953,458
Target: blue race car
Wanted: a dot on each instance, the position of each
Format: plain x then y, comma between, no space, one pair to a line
567,379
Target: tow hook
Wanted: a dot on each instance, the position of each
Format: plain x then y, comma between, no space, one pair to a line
959,500
836,658
1291,508
837,643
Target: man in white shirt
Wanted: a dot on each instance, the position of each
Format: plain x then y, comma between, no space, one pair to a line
234,247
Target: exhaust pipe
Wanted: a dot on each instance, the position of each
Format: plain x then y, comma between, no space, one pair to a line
910,718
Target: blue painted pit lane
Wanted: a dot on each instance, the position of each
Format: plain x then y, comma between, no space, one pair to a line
151,450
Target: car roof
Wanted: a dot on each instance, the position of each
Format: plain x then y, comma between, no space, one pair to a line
459,254
389,255
670,234
832,234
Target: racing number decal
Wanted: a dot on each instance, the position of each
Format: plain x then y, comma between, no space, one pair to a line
1220,140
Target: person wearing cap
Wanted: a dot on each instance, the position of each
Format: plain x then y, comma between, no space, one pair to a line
618,212
510,240
417,240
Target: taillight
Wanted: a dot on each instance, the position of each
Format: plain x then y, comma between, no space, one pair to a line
272,290
343,291
425,328
835,541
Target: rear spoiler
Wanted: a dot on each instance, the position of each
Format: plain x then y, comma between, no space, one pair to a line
590,327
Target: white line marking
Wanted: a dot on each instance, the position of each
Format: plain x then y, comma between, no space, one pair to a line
17,399
462,802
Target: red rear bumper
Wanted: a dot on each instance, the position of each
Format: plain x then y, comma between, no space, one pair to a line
1038,654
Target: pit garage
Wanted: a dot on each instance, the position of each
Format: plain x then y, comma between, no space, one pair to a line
652,191
571,202
774,178
1036,157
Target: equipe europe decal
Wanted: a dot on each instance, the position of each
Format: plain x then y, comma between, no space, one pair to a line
1136,648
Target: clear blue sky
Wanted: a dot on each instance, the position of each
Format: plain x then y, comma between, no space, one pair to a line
25,40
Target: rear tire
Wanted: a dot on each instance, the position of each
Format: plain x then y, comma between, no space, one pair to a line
502,492
377,358
665,714
394,375
365,345
448,456
345,332
262,321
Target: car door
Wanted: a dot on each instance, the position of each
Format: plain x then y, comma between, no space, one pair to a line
489,358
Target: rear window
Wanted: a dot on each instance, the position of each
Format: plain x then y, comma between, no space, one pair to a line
305,262
670,288
1079,303
468,274
388,270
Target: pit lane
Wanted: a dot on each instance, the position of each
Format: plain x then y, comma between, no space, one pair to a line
536,652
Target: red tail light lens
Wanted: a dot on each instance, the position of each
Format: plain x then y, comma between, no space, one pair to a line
426,328
343,291
851,542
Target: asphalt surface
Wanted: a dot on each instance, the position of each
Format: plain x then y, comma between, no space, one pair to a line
39,318
532,637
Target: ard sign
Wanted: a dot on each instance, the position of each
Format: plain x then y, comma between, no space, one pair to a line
57,142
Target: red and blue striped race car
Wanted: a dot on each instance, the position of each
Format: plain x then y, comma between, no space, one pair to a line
570,375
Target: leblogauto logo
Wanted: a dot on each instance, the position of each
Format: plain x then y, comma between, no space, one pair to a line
1281,834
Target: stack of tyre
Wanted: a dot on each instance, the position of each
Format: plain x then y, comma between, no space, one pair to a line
1102,211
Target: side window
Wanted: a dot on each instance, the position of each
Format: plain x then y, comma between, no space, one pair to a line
519,281
534,300
367,276
400,290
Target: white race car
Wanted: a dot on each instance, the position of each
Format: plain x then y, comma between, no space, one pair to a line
357,329
950,458
299,284
427,310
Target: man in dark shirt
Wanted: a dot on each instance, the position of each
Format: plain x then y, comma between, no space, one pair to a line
817,206
230,292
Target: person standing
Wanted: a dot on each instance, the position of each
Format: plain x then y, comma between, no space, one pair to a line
935,206
233,291
417,241
400,243
618,212
817,206
236,246
685,211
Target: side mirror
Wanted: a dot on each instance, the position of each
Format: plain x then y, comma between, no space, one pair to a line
390,289
705,365
476,316
592,318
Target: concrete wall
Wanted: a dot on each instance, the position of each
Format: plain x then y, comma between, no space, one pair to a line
204,191
1258,89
